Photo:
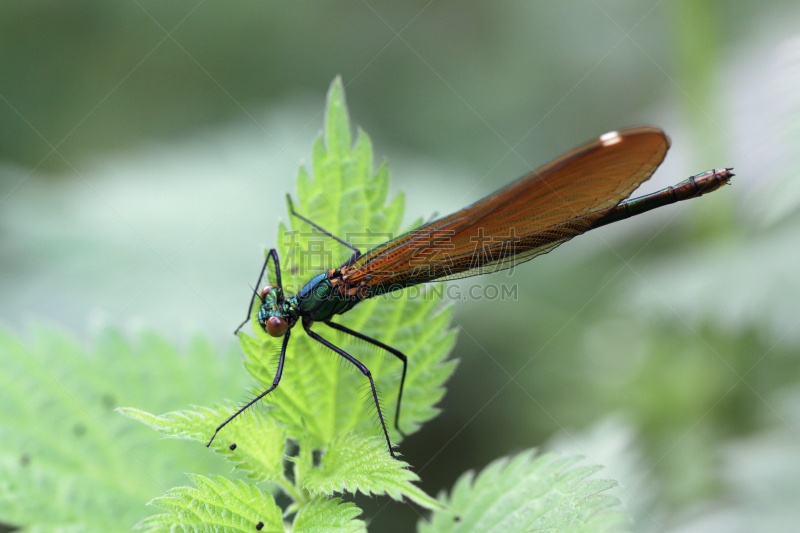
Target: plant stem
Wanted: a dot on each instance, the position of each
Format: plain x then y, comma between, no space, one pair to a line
293,491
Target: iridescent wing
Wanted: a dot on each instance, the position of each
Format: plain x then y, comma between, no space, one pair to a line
527,218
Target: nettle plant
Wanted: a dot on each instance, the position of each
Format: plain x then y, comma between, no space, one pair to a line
316,440
319,405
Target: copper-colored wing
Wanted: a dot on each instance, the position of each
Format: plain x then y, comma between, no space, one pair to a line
527,218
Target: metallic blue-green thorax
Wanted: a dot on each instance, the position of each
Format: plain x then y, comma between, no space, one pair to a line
317,301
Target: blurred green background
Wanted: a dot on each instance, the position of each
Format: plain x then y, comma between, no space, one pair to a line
145,149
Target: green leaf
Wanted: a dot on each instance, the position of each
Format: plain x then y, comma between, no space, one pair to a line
355,464
329,516
216,505
68,462
320,396
337,122
259,440
526,493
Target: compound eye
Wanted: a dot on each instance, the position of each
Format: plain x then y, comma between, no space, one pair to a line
276,327
264,291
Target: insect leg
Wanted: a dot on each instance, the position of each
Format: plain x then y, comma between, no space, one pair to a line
254,400
328,233
389,349
364,370
273,253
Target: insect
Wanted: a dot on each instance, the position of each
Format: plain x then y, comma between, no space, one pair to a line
580,191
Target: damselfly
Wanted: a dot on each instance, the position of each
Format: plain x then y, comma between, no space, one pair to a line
580,191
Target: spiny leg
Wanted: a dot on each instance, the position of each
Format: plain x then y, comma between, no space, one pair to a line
273,253
389,349
294,213
364,370
254,400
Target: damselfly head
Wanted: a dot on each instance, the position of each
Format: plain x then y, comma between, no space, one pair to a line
272,314
273,319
